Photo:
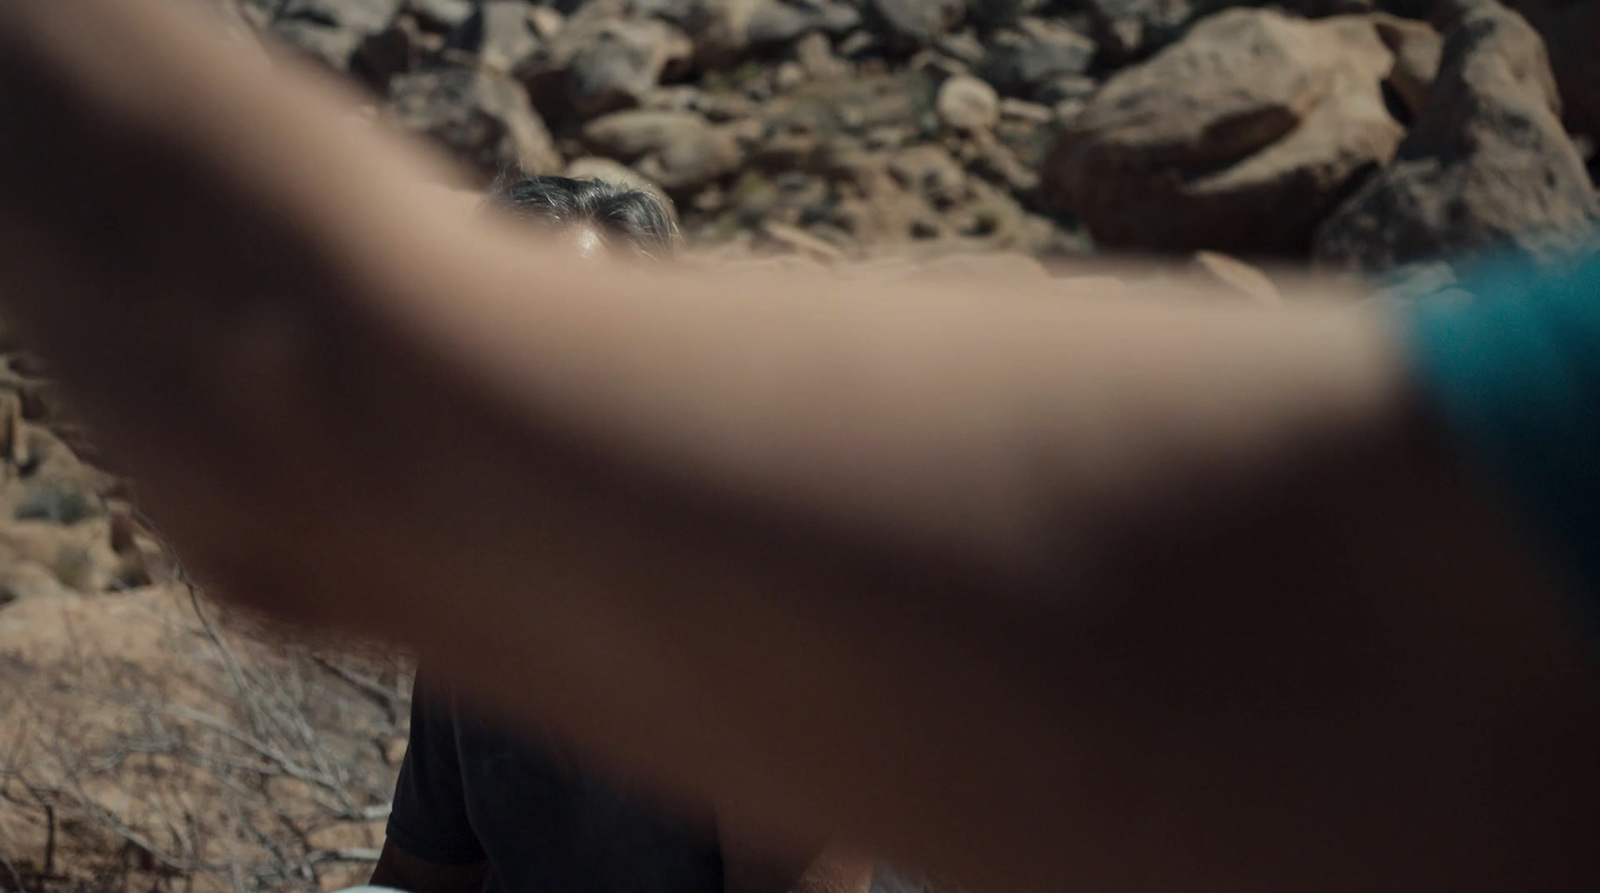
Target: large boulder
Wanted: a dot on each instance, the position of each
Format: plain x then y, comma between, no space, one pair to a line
681,151
482,117
1238,138
603,61
1487,163
1571,31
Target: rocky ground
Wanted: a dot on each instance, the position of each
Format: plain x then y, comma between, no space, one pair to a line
146,740
1358,134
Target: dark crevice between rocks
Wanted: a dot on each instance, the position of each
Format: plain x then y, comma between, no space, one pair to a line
1396,105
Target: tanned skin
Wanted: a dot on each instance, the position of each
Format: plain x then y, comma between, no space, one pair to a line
1134,595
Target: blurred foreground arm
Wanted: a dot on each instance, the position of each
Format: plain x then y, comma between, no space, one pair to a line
1125,595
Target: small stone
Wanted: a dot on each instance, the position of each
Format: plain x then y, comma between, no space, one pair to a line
886,137
962,45
599,63
931,172
362,16
1022,110
1240,276
1131,29
967,104
916,24
500,34
787,76
1068,110
441,15
676,98
482,117
814,53
802,242
1066,87
58,502
937,66
1023,60
774,23
679,150
996,163
546,22
858,43
396,51
333,47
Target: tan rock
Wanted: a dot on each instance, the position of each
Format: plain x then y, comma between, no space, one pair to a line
1021,110
603,61
546,21
1239,276
1240,137
967,104
814,52
679,150
483,117
801,242
1487,164
929,170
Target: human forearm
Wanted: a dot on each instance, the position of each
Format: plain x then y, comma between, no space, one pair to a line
774,538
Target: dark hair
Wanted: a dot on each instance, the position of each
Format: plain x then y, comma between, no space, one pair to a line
636,218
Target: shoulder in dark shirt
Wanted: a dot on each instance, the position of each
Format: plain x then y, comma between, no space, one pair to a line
471,791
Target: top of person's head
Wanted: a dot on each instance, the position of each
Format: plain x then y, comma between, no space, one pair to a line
623,218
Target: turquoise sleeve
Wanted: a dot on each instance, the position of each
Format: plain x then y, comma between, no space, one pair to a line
1511,360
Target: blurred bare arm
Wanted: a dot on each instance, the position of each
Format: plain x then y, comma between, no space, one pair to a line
1134,595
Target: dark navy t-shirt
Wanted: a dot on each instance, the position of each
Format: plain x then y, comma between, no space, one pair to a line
470,791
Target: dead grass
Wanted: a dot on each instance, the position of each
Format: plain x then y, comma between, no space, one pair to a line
151,743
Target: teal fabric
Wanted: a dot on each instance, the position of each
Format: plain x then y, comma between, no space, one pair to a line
1511,356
